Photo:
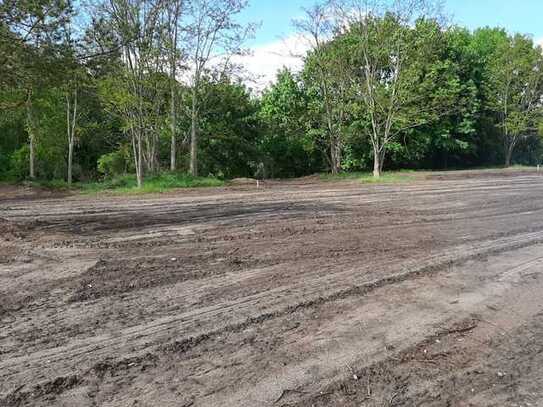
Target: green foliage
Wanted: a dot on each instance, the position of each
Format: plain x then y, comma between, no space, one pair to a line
18,164
513,82
111,164
288,144
461,96
229,130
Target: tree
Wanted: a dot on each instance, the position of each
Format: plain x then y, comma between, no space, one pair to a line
213,36
385,54
174,13
514,88
74,77
230,129
448,95
71,122
287,144
136,24
29,35
327,67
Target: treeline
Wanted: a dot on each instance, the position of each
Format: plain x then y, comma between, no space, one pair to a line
144,86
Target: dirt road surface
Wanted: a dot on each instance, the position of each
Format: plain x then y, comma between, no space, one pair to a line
301,293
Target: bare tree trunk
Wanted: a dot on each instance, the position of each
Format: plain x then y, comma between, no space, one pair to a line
71,117
173,118
32,154
30,131
377,164
134,152
335,155
156,158
194,137
70,158
140,163
150,150
138,155
509,145
508,155
173,21
138,158
69,134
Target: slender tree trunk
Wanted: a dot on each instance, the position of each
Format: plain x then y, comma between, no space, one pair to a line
69,134
156,157
32,154
377,165
509,145
194,137
139,164
71,117
508,156
381,161
173,119
70,158
173,25
335,154
135,152
138,156
31,135
147,152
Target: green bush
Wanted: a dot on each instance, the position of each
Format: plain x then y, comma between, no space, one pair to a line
158,183
112,164
19,166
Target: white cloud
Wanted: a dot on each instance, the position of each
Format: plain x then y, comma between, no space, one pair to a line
265,60
539,41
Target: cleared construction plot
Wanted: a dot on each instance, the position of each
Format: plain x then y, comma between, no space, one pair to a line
300,293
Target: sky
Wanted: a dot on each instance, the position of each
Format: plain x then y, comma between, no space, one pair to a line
276,43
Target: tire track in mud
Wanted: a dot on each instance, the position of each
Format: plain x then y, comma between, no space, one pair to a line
172,207
158,236
158,232
137,343
162,238
183,296
494,357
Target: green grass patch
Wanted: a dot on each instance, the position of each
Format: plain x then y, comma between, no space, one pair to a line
367,177
127,184
153,184
55,184
342,176
389,177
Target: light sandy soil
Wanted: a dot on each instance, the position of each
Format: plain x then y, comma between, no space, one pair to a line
302,293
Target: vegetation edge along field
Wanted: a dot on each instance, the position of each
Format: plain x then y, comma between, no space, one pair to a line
390,87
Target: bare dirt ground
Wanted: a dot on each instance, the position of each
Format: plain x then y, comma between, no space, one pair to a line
303,293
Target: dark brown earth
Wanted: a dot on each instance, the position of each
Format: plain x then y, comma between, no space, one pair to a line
301,293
